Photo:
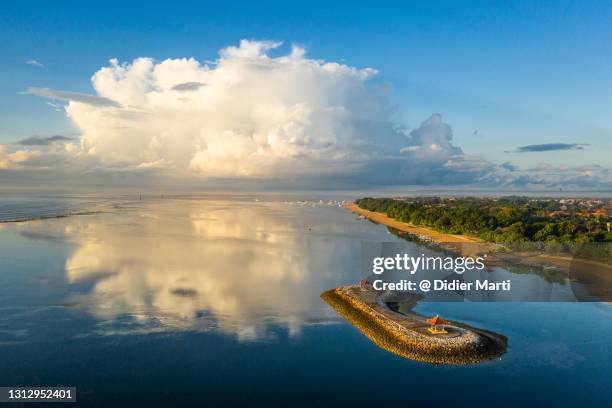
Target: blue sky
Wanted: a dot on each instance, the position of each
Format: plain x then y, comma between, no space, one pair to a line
502,74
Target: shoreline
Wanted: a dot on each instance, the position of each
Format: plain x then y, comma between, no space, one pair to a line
436,236
597,276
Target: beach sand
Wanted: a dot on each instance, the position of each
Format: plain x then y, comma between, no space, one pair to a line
412,229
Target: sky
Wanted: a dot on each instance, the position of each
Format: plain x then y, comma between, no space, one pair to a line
322,93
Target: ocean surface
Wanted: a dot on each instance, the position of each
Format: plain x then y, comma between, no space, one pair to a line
215,301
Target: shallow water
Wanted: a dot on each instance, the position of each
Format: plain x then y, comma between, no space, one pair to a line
216,301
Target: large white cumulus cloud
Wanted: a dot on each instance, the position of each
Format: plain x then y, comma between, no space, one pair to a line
246,115
261,117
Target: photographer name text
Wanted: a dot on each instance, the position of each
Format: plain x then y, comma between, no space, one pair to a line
426,285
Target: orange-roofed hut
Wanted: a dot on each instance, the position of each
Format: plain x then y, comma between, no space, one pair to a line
435,322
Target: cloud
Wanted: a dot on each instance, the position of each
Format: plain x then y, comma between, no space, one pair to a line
43,141
545,175
55,157
249,49
257,117
5,162
508,166
432,140
549,147
17,159
251,117
55,106
35,63
428,156
188,86
87,99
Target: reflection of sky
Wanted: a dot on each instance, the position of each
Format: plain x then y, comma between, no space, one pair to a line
199,271
235,267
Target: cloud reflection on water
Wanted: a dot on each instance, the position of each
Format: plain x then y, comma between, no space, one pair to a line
235,267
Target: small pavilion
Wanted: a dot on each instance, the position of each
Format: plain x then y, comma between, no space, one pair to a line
435,322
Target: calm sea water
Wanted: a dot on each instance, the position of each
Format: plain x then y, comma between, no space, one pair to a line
215,301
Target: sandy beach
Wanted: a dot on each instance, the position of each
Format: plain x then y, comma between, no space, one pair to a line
412,229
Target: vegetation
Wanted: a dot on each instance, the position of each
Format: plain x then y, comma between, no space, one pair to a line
503,220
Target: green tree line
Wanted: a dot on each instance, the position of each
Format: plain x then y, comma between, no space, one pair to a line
505,220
